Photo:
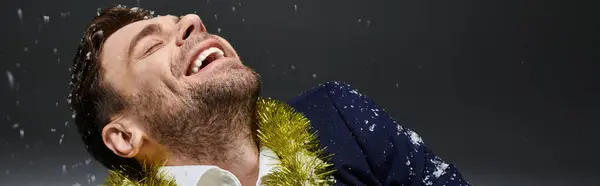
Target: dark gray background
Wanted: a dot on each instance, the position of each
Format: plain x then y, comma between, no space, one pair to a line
507,90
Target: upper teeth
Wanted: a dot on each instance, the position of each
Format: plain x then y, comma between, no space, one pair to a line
203,55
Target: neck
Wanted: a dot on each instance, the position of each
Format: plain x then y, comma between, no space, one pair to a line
243,161
239,155
225,137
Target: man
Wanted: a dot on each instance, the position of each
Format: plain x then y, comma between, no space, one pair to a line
159,101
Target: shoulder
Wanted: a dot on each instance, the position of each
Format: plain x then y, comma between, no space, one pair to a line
348,100
358,113
363,137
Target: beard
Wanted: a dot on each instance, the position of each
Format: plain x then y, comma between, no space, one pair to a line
208,118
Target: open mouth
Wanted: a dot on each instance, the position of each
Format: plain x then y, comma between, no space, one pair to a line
206,55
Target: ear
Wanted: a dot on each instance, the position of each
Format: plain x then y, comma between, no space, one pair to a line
123,139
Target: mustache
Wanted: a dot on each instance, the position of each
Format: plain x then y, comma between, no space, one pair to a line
191,42
179,63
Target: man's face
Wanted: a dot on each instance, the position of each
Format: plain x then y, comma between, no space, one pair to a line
155,65
159,53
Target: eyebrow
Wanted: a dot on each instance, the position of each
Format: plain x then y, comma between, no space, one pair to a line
149,29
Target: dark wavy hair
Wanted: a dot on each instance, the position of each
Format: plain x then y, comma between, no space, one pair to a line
91,99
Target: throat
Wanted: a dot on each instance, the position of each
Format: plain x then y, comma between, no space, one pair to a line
241,159
224,155
222,137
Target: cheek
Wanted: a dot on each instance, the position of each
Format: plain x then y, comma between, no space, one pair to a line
153,69
156,71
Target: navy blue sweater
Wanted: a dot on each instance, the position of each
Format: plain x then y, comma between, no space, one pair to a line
368,146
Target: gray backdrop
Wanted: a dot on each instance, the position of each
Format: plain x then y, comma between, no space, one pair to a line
507,90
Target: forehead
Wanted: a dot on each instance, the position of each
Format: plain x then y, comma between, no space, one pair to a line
119,41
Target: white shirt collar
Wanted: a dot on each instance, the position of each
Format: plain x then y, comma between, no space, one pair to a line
203,175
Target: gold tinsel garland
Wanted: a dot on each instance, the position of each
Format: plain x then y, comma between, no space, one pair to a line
286,132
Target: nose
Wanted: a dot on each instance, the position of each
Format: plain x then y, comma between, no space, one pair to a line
188,25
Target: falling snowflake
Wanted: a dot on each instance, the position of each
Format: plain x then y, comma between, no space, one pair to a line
397,86
296,8
88,56
368,23
314,76
233,8
52,130
76,184
25,49
216,17
64,169
61,139
46,19
64,14
20,13
359,20
11,79
76,165
90,178
293,67
55,50
218,30
16,125
22,133
87,161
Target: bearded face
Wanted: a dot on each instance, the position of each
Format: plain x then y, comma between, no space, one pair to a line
186,89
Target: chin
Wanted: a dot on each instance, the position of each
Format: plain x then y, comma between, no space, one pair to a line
229,81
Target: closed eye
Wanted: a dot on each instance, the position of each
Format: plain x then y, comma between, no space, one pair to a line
152,48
